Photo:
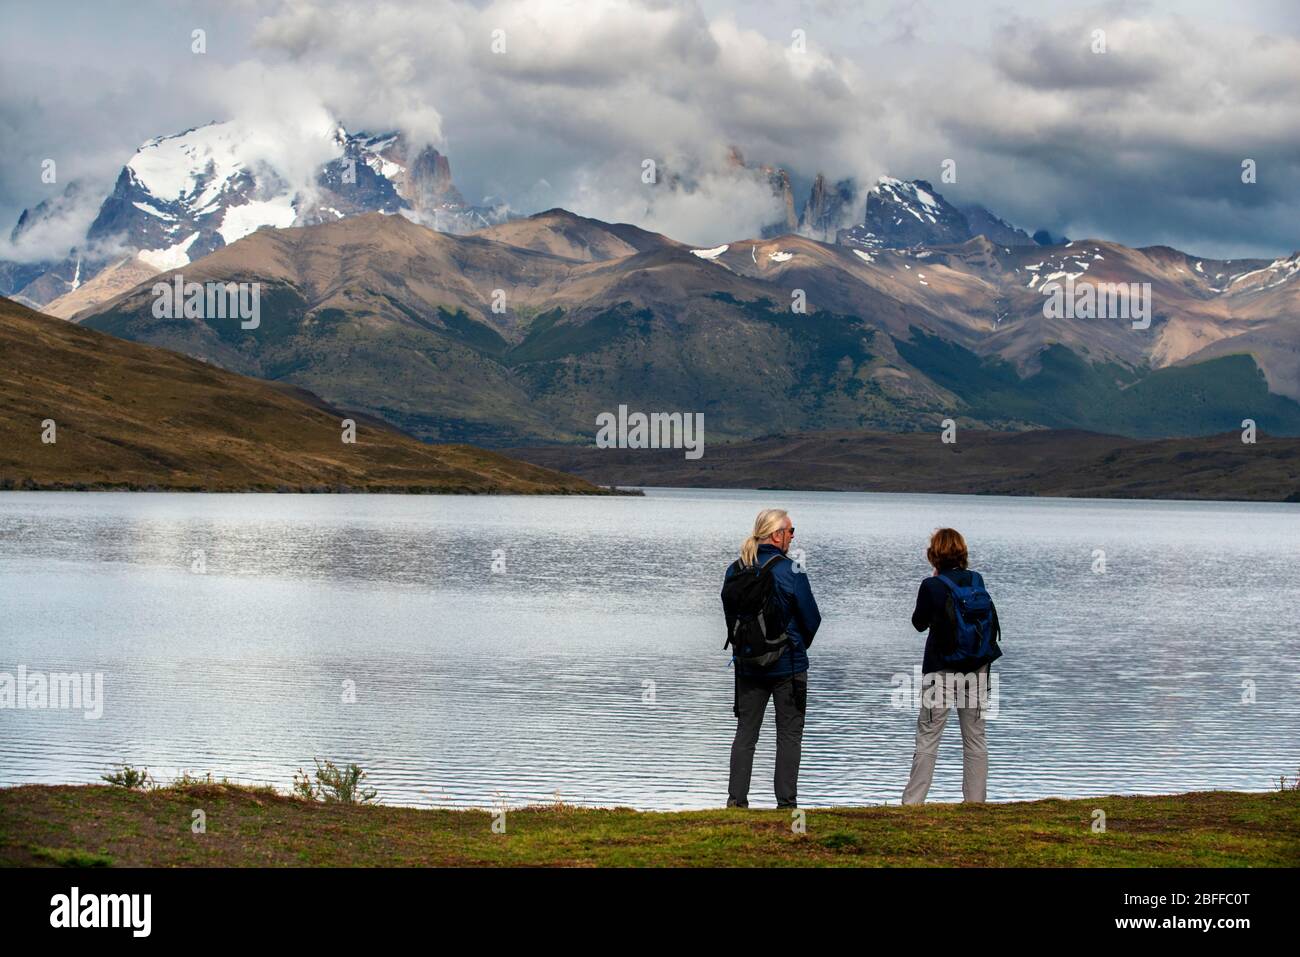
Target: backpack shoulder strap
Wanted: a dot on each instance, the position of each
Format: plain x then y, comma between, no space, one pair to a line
770,562
960,592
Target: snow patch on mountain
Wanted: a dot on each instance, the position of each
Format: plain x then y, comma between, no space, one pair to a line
146,208
174,257
240,221
1274,274
713,253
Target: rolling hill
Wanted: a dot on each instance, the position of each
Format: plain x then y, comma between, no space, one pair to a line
133,416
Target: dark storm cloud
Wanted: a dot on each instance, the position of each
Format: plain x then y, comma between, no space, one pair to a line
1144,143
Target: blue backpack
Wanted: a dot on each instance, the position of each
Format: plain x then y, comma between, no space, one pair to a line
974,622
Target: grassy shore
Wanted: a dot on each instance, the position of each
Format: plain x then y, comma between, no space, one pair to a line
112,826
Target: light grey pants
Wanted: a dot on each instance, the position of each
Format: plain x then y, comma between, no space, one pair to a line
974,750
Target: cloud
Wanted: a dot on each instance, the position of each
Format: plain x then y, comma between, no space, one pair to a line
1140,144
52,227
704,205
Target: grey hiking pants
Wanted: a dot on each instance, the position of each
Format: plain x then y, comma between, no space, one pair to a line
790,695
974,748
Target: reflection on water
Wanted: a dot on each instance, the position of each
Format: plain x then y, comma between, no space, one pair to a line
590,666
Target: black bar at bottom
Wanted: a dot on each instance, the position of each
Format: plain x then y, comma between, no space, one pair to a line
534,906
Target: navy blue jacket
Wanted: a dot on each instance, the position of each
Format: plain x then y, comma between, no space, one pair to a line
932,612
801,614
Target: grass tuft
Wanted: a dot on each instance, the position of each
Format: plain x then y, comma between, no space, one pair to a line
72,857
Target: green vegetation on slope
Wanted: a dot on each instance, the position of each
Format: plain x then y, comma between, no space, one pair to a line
549,338
1069,392
824,340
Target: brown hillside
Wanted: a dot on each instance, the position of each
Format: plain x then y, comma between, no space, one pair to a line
134,416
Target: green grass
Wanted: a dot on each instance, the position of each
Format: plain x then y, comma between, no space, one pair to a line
258,827
70,857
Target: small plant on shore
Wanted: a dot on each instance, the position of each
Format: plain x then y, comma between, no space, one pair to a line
334,785
133,779
303,787
1289,784
193,782
187,780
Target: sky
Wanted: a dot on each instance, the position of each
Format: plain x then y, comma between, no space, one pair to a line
1141,143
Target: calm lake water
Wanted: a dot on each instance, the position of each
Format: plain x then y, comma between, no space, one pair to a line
590,666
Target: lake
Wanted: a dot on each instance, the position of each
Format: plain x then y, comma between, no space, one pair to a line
485,650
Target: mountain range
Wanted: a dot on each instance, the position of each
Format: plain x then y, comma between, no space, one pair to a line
182,196
523,332
889,308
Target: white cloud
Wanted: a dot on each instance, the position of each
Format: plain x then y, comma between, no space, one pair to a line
716,205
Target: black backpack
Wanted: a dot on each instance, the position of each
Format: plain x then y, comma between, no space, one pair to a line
757,632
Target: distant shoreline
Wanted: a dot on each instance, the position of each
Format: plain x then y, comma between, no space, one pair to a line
597,492
1035,463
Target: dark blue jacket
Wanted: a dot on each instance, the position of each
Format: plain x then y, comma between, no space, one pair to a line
932,612
801,614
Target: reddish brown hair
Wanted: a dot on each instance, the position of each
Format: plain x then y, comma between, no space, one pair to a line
947,549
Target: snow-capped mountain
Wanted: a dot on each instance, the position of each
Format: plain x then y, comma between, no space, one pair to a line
181,197
897,214
900,214
184,196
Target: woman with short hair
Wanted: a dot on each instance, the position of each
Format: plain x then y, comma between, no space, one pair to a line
959,648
